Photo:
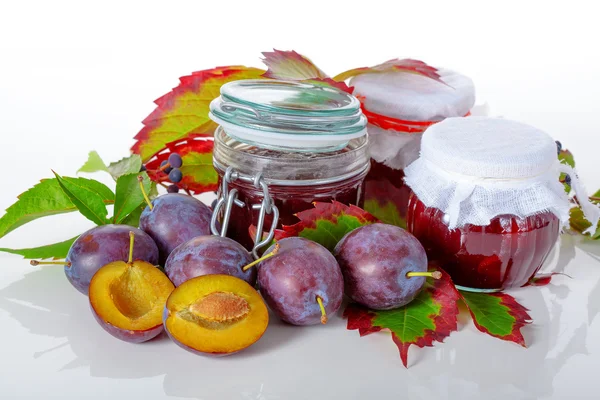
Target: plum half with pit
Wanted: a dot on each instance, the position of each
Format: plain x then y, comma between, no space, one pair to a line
381,265
206,255
173,219
302,282
103,245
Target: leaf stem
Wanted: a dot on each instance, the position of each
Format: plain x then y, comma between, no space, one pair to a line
431,274
141,180
323,312
269,255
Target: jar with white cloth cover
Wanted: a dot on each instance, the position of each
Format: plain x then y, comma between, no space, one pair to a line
399,106
486,200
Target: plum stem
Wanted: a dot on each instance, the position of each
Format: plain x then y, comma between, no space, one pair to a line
36,263
131,240
269,255
167,165
141,180
432,274
323,312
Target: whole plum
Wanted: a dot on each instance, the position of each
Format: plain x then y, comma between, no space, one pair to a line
102,245
375,260
207,255
297,278
174,219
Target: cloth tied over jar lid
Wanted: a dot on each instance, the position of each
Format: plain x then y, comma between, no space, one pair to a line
416,101
475,169
415,97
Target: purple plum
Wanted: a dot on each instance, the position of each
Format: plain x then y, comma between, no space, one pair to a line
300,273
174,219
102,245
375,260
206,255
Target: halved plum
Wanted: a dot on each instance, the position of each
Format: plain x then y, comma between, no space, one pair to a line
215,315
127,299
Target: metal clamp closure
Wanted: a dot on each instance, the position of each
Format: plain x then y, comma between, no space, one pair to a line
228,198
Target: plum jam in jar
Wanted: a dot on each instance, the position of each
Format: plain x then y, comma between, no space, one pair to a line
486,201
399,106
279,147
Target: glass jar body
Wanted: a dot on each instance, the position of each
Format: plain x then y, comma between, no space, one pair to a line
504,254
295,179
290,200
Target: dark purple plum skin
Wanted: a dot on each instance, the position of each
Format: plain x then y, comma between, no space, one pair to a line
375,260
175,219
102,245
291,280
127,335
206,255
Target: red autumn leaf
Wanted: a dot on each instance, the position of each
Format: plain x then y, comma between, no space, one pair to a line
430,317
330,82
327,223
404,65
289,65
183,112
279,234
198,173
498,315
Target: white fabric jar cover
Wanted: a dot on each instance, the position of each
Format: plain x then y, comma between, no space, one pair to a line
409,97
475,169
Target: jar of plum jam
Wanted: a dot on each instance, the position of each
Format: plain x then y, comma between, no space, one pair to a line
279,147
399,106
486,200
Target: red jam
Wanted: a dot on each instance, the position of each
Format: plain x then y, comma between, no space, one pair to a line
289,200
506,253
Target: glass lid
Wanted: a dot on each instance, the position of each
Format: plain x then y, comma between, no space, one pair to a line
273,113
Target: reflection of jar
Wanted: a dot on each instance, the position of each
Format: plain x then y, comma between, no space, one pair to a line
487,202
294,143
399,107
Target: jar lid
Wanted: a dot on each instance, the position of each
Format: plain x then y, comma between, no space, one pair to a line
475,169
292,115
414,97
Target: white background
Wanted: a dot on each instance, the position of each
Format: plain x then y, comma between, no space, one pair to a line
78,76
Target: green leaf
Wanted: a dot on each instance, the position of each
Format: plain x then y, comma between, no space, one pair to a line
88,196
566,157
580,224
327,223
497,314
127,165
386,212
93,164
129,196
431,316
133,219
56,250
44,199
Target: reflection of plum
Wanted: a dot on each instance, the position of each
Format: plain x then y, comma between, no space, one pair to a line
60,312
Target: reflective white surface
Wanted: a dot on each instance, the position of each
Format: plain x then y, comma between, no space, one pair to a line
80,76
52,347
